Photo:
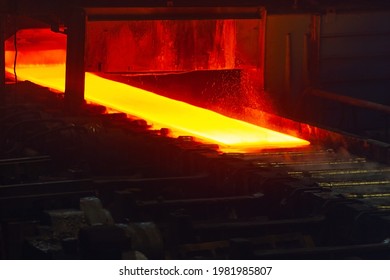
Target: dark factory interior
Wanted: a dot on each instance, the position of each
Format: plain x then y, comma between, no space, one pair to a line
195,129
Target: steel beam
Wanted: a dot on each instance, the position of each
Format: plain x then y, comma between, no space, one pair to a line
75,65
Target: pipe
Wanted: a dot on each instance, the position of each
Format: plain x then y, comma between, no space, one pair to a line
350,101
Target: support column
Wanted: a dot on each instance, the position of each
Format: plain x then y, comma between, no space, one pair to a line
288,65
2,59
75,62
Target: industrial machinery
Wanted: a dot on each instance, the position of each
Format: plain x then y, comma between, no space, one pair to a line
194,130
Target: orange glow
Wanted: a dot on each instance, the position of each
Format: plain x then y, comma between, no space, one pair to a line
180,117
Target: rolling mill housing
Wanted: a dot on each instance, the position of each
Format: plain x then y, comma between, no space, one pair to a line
79,180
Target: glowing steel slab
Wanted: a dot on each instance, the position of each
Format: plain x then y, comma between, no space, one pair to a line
38,65
162,111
